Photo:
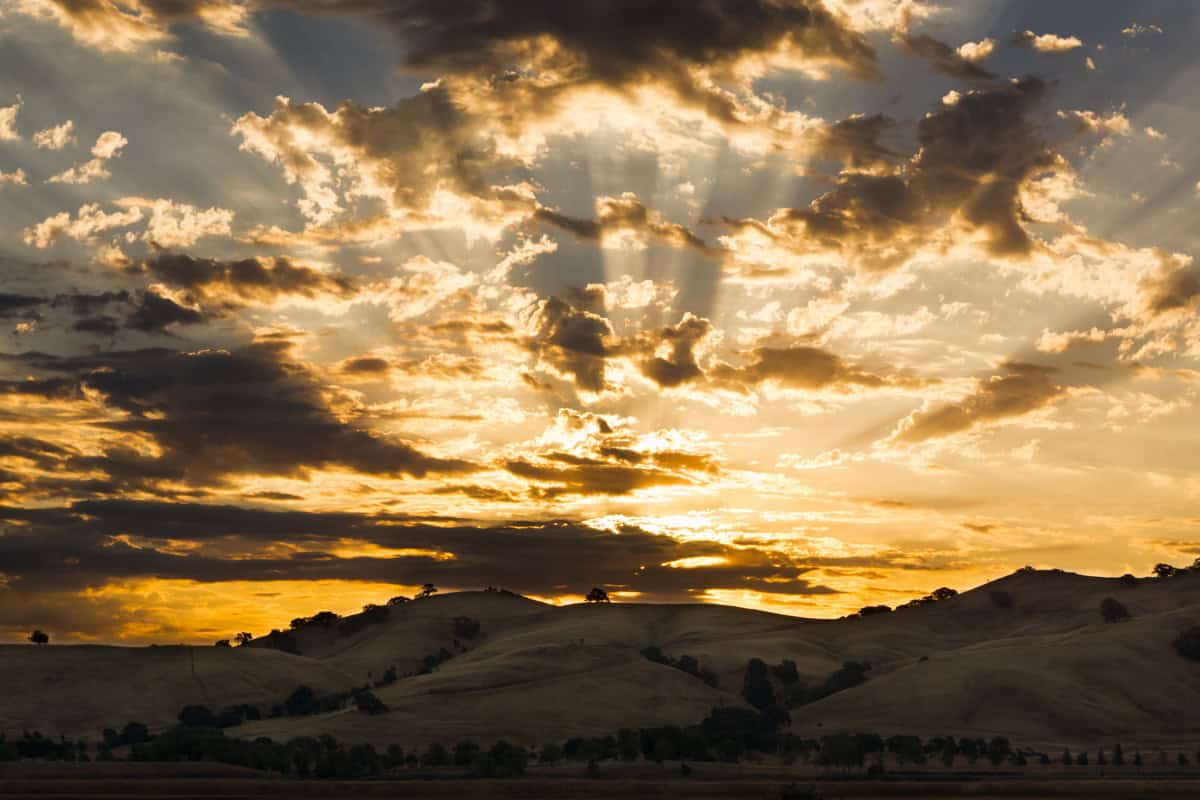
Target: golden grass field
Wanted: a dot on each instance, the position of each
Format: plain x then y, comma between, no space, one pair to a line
1046,672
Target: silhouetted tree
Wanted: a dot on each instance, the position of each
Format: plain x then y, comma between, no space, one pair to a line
428,590
222,643
944,593
1066,759
398,600
1082,758
998,750
39,637
785,672
757,688
1101,758
1128,581
1113,610
243,638
597,595
1181,759
550,753
1118,757
870,611
1165,571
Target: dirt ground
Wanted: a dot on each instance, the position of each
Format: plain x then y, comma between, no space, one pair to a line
195,781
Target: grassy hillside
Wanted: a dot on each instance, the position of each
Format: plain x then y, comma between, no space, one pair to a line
1028,656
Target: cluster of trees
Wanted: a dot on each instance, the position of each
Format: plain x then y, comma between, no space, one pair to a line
773,690
1169,571
35,745
324,756
685,663
597,595
936,596
303,701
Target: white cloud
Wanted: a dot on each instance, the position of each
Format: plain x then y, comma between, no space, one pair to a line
1051,43
107,147
15,178
56,137
1137,29
977,51
173,225
8,121
89,221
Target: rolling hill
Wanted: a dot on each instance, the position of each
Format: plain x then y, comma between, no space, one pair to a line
1028,656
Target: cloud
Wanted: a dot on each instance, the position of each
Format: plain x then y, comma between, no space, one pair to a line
426,159
232,283
8,121
573,342
624,221
214,414
671,360
155,313
964,182
549,48
15,178
108,146
962,62
133,25
173,225
170,224
87,222
1050,42
56,137
1019,390
1136,29
796,367
96,543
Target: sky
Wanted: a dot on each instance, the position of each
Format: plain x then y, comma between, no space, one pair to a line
787,304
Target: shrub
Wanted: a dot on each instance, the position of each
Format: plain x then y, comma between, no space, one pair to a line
466,628
869,611
1187,644
39,637
1113,610
465,753
196,716
1128,581
368,703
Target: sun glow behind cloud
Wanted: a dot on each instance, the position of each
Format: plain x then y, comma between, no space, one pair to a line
801,316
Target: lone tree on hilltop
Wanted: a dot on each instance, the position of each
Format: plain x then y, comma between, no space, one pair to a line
597,595
39,637
243,638
428,590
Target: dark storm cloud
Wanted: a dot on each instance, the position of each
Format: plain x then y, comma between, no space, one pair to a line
1177,290
797,367
215,413
155,314
1021,389
18,305
574,341
855,141
678,364
234,282
618,43
625,214
974,153
78,546
942,57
